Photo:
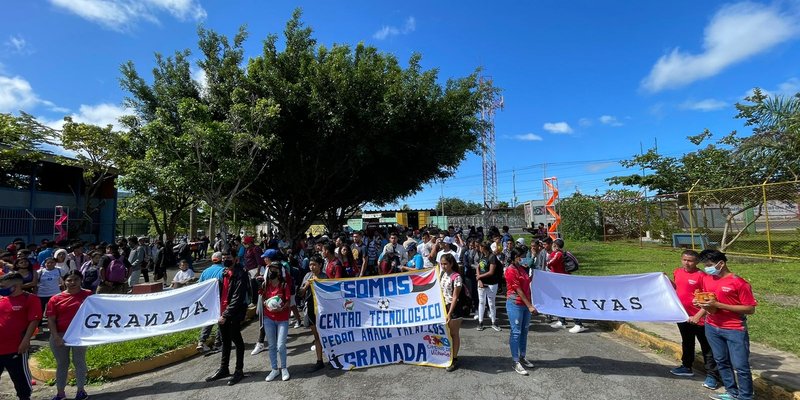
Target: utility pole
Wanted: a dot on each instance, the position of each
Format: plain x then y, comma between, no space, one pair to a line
514,188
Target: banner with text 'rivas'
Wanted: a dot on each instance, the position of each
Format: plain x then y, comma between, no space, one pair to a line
639,297
378,320
115,318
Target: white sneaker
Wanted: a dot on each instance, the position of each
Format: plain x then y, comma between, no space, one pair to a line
313,347
557,324
578,329
475,317
518,368
272,375
285,374
297,325
258,349
202,347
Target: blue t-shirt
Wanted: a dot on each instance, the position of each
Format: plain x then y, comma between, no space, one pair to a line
44,255
215,271
416,262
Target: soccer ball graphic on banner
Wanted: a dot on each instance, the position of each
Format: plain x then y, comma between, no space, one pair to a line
383,303
274,303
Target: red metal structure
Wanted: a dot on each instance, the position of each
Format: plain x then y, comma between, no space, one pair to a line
550,206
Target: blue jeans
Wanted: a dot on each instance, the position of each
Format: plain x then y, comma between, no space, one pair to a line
731,350
520,318
276,338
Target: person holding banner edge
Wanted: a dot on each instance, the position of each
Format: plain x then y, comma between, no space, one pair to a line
61,309
687,279
20,313
520,309
315,264
451,288
233,303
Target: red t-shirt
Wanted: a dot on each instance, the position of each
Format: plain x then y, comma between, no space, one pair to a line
733,290
285,293
226,287
334,269
556,262
64,306
517,277
16,312
685,285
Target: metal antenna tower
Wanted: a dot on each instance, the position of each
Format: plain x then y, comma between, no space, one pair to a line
493,103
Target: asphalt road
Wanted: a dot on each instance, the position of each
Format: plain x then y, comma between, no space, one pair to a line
589,365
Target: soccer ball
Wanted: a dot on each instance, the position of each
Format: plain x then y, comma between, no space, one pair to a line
274,303
383,303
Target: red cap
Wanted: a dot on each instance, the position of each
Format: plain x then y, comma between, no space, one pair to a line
248,240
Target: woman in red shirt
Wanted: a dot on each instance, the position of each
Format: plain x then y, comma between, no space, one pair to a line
276,319
519,308
61,309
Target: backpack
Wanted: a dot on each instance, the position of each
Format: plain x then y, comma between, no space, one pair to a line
90,275
464,301
570,262
116,273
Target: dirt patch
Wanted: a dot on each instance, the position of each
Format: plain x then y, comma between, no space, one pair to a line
781,299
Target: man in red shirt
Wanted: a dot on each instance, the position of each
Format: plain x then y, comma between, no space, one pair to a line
726,324
20,313
687,279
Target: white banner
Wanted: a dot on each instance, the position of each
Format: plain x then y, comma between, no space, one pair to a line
106,318
380,320
640,297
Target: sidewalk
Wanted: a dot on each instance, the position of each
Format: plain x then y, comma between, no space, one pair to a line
776,374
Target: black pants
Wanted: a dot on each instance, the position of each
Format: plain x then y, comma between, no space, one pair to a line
231,332
146,273
17,367
688,333
254,286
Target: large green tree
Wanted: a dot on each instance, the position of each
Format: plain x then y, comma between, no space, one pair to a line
456,206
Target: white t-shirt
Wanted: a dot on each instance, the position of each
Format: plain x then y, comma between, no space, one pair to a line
49,282
183,276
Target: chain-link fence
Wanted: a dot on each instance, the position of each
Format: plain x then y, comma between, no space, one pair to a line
513,219
757,220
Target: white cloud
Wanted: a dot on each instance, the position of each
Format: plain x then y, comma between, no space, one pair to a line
16,94
17,44
789,87
101,114
388,30
200,77
120,15
528,137
557,127
735,33
609,120
704,105
597,167
584,122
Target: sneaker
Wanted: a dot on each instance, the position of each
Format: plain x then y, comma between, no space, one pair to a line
711,383
258,349
525,363
496,328
81,395
480,327
297,325
557,324
313,347
453,366
721,396
318,366
681,371
578,329
272,375
202,347
518,368
285,374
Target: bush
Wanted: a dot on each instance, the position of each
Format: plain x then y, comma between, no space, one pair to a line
579,219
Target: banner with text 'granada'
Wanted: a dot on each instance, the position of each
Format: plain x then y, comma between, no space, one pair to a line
379,320
640,297
106,318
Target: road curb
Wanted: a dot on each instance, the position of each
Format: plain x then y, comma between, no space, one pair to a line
764,387
133,367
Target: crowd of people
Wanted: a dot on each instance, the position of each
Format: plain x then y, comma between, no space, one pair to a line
48,282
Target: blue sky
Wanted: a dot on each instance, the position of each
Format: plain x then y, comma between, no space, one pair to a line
586,83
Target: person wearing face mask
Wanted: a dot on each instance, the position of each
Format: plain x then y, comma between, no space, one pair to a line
726,324
20,313
276,319
61,309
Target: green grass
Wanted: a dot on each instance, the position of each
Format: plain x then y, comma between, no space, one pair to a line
776,321
109,355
